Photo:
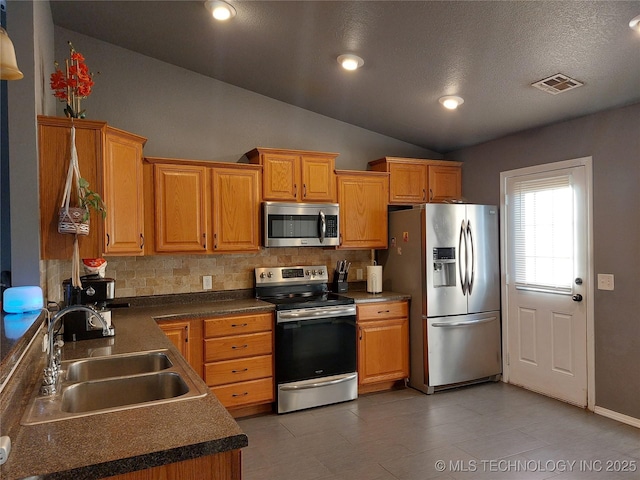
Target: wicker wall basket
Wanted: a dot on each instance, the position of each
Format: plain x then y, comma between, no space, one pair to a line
71,221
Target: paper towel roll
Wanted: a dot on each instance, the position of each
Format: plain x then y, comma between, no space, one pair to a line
374,278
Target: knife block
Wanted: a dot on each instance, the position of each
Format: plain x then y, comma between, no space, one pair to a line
340,284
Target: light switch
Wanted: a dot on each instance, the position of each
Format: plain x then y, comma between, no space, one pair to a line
358,274
207,282
605,281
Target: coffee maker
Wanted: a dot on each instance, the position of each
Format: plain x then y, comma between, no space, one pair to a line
96,292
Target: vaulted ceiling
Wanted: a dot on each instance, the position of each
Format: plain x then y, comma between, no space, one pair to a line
488,52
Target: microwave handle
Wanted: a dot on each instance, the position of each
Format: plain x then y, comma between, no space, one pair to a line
323,226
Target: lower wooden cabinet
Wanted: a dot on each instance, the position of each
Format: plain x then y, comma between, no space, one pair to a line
186,335
383,344
233,354
238,359
220,466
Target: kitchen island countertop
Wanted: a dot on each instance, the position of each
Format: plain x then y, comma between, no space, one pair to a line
119,442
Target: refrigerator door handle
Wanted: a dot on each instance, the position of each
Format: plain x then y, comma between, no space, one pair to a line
463,278
473,259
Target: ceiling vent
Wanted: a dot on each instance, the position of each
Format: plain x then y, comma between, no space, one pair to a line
556,84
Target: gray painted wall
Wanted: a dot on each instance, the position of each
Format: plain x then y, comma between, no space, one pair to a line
612,139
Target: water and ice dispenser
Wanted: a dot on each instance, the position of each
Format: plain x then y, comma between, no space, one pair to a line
444,267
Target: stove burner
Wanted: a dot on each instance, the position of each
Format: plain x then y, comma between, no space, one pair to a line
289,294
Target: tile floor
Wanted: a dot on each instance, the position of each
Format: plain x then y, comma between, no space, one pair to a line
485,431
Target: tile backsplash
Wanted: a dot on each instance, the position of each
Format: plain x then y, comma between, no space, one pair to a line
162,275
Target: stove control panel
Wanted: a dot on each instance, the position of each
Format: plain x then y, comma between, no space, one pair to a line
291,275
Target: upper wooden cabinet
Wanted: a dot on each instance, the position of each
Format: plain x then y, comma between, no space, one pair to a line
236,209
363,208
180,208
110,160
203,207
123,193
414,180
296,175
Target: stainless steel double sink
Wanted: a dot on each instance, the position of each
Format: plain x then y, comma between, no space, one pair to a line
112,383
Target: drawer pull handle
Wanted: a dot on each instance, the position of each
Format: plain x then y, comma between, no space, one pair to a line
234,325
236,347
240,371
383,311
240,394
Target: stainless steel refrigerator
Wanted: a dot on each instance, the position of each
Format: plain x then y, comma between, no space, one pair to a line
446,256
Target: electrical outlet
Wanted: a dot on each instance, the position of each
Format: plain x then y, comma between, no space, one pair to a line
605,281
207,282
358,274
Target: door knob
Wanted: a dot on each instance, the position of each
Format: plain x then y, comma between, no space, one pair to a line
577,297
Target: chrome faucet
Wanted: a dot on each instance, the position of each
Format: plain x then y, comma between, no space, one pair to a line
52,369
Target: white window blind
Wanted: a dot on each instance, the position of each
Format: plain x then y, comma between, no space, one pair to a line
543,240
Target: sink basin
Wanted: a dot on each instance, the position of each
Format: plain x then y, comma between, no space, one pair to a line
116,366
92,386
118,392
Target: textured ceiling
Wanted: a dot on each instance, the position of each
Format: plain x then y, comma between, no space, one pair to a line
414,52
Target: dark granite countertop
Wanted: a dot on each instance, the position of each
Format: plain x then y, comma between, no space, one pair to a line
119,442
385,296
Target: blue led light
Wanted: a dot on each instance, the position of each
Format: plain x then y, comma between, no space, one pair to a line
22,299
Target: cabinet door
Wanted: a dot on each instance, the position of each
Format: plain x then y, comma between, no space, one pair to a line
363,210
318,179
281,177
123,194
178,333
236,210
407,183
180,208
444,183
383,352
54,152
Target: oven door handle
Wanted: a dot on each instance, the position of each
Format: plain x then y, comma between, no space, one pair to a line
319,384
297,315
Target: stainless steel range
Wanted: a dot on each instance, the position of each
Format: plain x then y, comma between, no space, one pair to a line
315,338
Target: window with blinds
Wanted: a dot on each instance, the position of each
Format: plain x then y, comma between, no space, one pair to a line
543,234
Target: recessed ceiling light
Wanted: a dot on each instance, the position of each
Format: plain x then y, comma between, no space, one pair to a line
350,62
451,101
635,23
220,10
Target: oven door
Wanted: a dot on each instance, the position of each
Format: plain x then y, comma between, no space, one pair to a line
315,357
314,343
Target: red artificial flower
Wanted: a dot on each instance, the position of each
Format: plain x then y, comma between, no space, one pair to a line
74,84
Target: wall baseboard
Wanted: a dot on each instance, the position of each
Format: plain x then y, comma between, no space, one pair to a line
634,422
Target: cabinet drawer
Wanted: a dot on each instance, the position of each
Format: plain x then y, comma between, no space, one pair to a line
224,326
237,346
378,311
243,369
245,393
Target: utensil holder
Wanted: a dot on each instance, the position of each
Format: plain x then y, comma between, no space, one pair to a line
340,282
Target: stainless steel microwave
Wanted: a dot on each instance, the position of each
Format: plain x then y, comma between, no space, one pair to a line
301,224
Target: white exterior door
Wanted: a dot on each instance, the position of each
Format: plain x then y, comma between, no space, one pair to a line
547,278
